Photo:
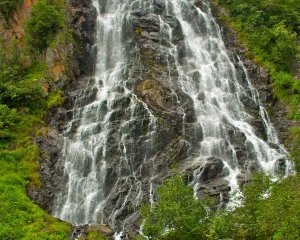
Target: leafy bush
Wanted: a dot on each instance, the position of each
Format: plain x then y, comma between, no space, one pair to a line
270,211
55,98
7,6
176,214
41,28
18,86
8,119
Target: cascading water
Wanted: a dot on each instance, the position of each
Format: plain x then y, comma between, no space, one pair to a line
165,90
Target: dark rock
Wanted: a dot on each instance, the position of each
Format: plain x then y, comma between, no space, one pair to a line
214,188
243,178
50,147
211,169
281,165
133,234
82,15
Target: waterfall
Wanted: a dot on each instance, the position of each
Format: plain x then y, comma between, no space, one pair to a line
165,91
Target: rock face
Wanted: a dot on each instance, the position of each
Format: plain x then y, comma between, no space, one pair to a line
103,156
16,30
83,21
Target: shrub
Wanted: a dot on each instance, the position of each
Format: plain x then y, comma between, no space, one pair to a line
41,28
177,214
7,6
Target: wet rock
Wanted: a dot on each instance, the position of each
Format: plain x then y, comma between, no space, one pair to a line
83,21
214,188
133,234
281,164
159,7
211,169
243,178
220,185
159,99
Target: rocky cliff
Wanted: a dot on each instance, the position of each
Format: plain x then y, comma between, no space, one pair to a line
156,123
16,22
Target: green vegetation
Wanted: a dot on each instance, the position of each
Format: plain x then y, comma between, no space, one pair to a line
20,218
55,98
18,82
23,102
94,235
7,6
270,211
178,212
294,142
270,29
138,31
47,18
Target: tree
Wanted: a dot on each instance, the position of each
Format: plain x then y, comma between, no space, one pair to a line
177,214
41,28
19,87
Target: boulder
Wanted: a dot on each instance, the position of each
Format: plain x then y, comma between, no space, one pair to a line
212,168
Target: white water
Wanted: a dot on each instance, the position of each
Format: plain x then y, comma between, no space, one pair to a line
206,74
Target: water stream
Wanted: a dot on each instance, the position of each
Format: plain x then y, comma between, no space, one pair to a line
110,154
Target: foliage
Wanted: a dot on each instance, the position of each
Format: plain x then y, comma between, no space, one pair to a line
176,214
7,6
270,211
8,119
294,142
55,98
94,235
19,82
42,27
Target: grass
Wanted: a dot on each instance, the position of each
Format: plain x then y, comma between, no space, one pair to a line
20,217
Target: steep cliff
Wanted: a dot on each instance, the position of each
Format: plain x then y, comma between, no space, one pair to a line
138,104
137,108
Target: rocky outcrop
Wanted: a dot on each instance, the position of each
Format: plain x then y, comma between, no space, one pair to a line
14,27
212,174
82,19
96,230
152,85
